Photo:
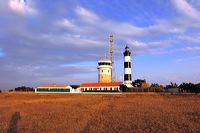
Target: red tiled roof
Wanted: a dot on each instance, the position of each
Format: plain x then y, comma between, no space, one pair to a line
53,86
100,84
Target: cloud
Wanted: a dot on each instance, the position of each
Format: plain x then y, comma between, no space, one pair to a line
86,15
189,38
187,49
186,59
165,27
22,7
190,49
186,9
96,23
35,75
66,23
188,43
124,29
75,39
152,47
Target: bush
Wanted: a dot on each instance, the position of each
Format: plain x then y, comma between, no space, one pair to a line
11,90
0,91
141,89
157,89
123,88
24,88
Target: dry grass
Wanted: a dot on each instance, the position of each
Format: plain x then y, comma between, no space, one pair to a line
138,112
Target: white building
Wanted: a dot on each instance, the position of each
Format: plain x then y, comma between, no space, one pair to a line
101,87
54,88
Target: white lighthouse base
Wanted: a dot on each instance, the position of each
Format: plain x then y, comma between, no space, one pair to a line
128,84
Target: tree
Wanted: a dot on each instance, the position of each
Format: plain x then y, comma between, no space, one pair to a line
197,88
24,88
171,85
189,87
123,88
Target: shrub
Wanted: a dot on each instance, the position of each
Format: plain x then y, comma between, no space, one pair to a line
157,89
10,90
24,88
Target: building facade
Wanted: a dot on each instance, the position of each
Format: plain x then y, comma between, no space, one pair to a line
54,88
104,71
101,87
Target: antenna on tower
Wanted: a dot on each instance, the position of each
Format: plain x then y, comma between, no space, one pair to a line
111,47
111,55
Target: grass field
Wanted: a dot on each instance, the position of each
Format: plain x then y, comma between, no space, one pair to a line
137,112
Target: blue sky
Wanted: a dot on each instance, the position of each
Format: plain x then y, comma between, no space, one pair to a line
44,42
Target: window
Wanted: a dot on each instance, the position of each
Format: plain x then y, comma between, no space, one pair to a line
105,63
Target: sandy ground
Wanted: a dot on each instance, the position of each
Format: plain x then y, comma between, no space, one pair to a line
137,112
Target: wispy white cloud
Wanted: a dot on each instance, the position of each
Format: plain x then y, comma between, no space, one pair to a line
160,27
164,27
191,44
189,38
87,24
188,59
66,23
74,39
189,49
86,15
22,7
186,9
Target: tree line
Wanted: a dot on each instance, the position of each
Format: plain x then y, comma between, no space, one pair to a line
24,88
185,87
189,87
155,87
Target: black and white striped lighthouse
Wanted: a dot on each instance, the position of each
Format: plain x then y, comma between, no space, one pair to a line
127,67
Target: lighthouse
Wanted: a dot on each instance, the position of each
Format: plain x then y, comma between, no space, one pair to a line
127,67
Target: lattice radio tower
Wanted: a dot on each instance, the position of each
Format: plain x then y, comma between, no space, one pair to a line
111,56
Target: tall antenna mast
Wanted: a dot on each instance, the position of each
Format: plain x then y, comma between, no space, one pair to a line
111,47
111,55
